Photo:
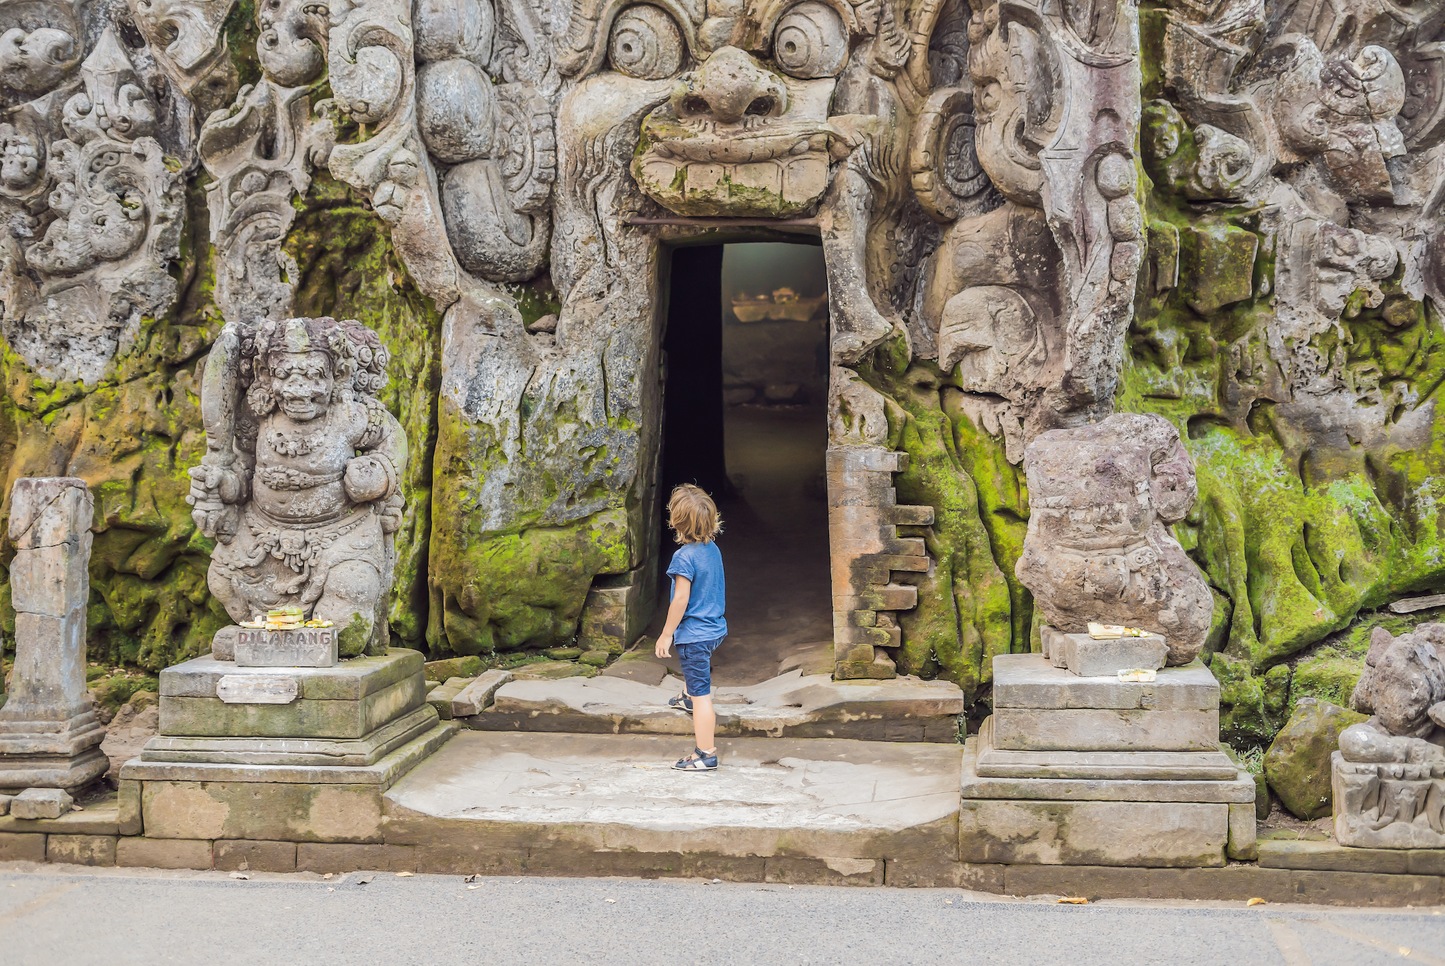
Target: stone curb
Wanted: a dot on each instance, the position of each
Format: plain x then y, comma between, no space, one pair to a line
1239,882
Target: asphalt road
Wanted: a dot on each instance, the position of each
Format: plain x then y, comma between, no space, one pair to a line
123,916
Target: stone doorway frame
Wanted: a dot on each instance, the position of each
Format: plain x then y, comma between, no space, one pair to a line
864,547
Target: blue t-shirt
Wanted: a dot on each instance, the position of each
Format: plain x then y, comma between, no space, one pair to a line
703,620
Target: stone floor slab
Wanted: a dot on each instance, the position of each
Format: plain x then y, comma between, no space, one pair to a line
823,799
789,705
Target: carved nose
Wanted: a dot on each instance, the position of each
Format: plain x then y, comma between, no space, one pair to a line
731,86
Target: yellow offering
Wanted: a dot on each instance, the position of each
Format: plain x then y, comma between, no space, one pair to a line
1112,632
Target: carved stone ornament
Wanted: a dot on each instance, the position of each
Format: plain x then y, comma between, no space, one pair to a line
301,481
1098,547
261,153
80,276
1389,774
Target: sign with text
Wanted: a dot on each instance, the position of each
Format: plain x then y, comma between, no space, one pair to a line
302,647
257,689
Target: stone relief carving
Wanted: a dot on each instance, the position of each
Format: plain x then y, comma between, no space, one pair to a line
185,38
1389,774
115,205
261,154
301,482
1098,545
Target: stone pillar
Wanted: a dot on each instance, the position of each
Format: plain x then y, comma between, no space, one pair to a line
49,733
865,550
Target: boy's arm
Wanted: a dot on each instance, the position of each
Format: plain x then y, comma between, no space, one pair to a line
681,591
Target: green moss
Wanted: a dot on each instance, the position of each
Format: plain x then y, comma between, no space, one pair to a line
1326,676
964,612
352,640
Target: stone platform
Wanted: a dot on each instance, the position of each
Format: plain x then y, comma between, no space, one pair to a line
1074,770
575,803
792,705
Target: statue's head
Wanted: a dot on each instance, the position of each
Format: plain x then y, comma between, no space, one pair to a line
1406,679
302,366
743,123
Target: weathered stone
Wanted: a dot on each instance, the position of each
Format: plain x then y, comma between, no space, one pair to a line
1087,657
1093,833
477,695
311,647
262,810
1087,729
1388,776
1097,548
1025,681
863,800
457,667
40,803
22,847
242,856
1297,764
48,731
163,853
81,849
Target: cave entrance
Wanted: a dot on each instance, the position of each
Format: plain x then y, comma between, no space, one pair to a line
745,401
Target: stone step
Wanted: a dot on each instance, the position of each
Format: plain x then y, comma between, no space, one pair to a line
568,802
790,705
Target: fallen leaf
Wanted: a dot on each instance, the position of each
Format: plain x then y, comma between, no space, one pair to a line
1404,950
1256,901
403,875
328,875
609,900
1075,900
239,875
365,879
473,877
330,888
473,887
948,902
77,808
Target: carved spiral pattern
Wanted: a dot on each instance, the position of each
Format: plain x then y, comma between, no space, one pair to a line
811,41
645,43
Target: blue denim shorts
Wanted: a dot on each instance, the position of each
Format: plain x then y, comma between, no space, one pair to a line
696,658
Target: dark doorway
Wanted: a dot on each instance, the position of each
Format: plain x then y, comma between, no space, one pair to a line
745,418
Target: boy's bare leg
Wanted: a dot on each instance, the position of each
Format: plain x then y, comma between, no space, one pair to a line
704,722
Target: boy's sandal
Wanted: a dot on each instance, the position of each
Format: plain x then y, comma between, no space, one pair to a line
680,702
697,761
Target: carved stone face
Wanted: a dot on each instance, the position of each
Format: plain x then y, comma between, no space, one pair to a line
21,156
1012,85
36,61
746,131
1344,111
290,45
99,226
302,383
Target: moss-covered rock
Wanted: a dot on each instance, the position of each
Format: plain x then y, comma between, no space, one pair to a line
455,667
1250,707
1297,764
1326,676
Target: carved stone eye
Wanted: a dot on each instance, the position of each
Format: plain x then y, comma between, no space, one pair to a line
646,43
811,40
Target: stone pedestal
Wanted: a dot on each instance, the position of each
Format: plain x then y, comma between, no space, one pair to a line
1087,657
1075,770
49,733
283,753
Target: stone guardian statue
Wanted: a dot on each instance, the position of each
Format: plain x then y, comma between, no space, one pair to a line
301,482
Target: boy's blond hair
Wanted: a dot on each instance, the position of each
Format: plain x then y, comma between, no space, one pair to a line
693,515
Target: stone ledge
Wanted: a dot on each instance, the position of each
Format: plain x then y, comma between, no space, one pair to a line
1332,857
383,773
94,820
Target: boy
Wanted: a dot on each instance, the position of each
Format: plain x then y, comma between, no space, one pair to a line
695,621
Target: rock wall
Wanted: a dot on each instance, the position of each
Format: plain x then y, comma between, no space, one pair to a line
1032,213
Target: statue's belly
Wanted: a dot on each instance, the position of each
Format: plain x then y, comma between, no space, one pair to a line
309,505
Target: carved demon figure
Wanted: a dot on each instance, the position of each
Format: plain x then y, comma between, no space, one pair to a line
301,482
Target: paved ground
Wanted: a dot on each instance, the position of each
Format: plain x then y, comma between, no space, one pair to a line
834,797
112,917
